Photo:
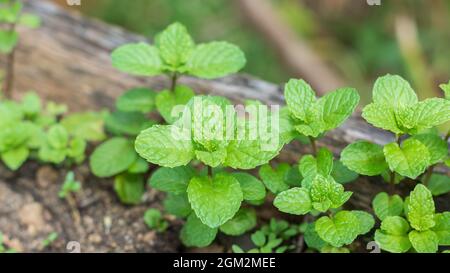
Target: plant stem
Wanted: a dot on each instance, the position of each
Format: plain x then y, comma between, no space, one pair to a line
8,84
173,83
313,145
392,175
210,172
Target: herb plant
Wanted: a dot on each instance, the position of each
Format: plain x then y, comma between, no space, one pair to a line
417,144
412,224
154,220
11,15
69,186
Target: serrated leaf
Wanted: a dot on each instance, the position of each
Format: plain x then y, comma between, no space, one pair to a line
428,113
165,145
424,241
177,204
392,243
325,193
410,160
129,188
381,116
385,205
437,147
442,228
214,60
215,201
446,89
421,208
310,167
243,221
342,174
274,178
127,123
312,239
196,234
14,158
294,201
138,59
167,100
337,106
57,137
212,159
252,188
340,230
439,184
366,221
248,154
299,96
172,180
365,158
86,125
175,44
137,100
112,157
395,225
393,91
31,104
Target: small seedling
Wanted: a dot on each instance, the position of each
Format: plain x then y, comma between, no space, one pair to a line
51,238
70,186
154,220
412,223
11,15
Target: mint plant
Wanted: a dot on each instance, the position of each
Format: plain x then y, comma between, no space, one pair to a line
275,237
174,54
69,186
11,15
396,108
412,224
155,221
211,197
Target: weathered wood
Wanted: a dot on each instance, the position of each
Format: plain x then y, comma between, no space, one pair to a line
67,60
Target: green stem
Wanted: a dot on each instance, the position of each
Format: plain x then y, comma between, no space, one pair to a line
210,171
392,174
173,83
313,145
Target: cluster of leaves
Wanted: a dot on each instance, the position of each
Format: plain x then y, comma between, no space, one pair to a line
69,186
275,237
396,108
30,130
155,221
412,223
11,14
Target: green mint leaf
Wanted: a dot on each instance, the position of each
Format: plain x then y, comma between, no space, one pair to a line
424,115
421,208
175,45
212,159
337,106
177,204
76,149
310,167
299,96
342,174
137,100
439,184
31,104
165,145
15,158
243,221
366,221
154,220
86,125
364,158
139,166
129,188
437,147
395,225
259,238
51,155
393,91
196,234
293,177
252,188
392,236
127,123
442,228
172,180
112,157
424,241
248,154
331,249
385,205
274,178
312,239
294,201
57,137
138,59
167,100
215,201
410,160
340,230
215,59
325,193
381,116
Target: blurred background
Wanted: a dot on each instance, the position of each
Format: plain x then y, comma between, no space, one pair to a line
328,43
